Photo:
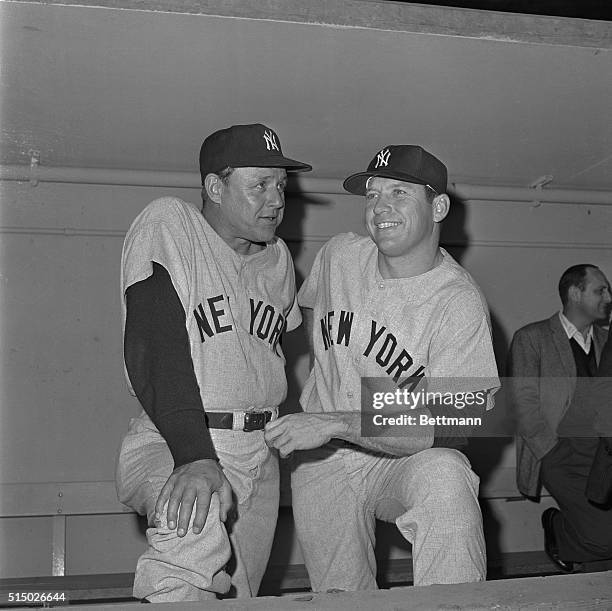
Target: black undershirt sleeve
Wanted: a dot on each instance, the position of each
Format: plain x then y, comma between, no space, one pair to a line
159,364
448,436
456,436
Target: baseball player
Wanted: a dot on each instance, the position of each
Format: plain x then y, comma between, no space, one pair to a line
206,293
390,310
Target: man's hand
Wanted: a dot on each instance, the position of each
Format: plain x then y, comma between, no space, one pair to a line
193,484
302,431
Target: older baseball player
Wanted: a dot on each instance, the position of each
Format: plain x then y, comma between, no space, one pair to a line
207,292
389,310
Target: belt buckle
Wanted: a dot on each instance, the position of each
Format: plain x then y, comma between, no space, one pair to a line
256,421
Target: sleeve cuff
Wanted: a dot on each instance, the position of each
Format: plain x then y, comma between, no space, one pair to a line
188,437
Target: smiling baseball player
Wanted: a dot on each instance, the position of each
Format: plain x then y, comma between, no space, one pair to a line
207,293
388,309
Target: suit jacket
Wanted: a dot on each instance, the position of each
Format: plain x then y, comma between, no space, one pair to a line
541,385
599,482
601,394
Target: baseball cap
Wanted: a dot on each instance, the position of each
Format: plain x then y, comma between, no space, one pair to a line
406,162
241,146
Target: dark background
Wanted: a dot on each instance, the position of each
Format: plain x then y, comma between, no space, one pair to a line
581,9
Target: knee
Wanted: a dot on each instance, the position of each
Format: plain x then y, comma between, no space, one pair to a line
447,475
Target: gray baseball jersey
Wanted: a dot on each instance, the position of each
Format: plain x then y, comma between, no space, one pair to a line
432,326
236,306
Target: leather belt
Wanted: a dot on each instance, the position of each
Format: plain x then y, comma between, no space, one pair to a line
239,421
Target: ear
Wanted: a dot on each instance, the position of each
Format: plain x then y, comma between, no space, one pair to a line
213,186
441,206
574,293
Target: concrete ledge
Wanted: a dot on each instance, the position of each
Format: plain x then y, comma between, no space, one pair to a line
586,591
278,580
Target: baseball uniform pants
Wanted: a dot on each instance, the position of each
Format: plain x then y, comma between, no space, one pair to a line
223,558
431,496
583,530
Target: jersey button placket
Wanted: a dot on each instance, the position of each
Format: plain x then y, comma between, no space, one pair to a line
369,304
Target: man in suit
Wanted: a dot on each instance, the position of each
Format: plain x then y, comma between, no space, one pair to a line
599,484
546,360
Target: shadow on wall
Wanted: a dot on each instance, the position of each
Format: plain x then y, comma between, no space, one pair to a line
485,453
453,236
295,346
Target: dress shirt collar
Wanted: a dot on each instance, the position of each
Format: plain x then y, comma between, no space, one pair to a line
571,331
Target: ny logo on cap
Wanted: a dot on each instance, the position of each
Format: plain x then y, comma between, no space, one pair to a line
270,139
382,159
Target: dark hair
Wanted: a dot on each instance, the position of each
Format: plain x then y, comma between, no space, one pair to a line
573,276
430,194
224,174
